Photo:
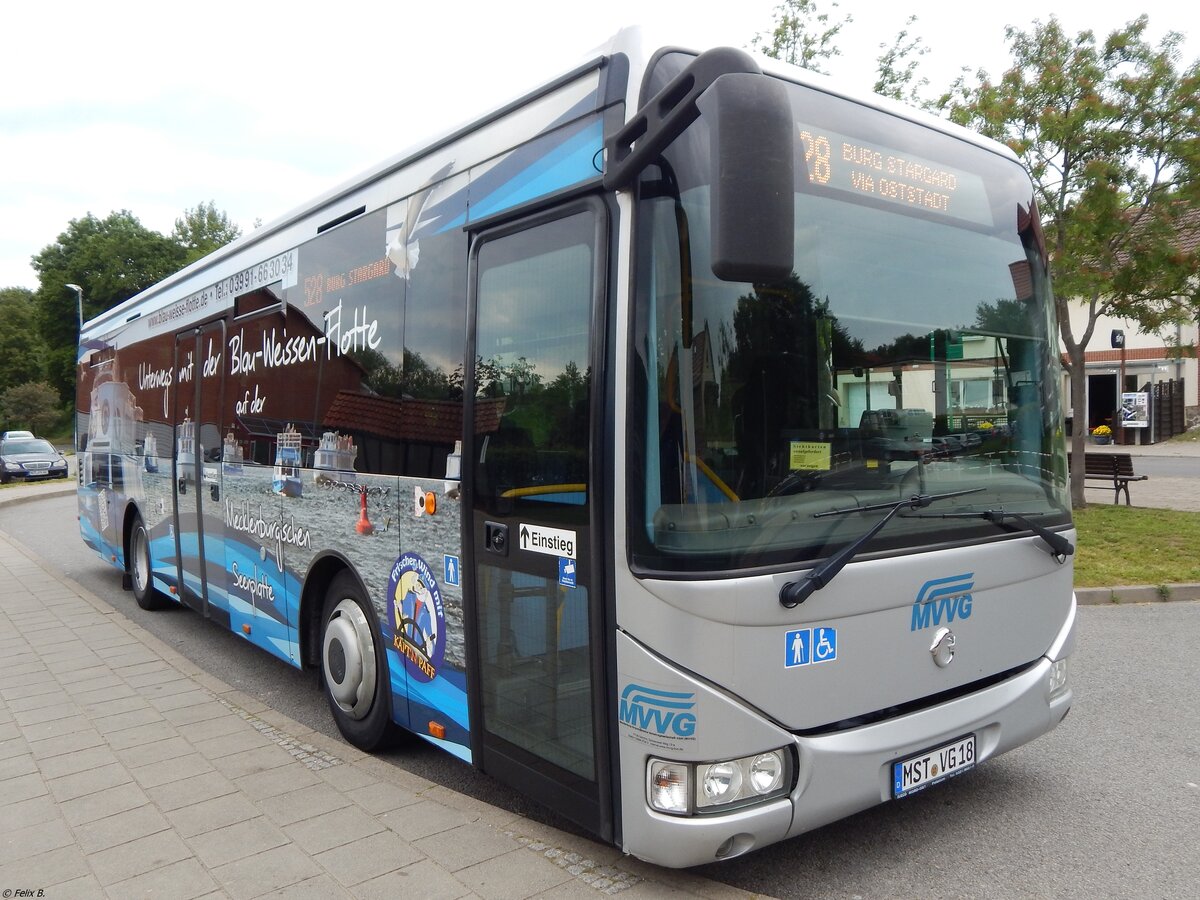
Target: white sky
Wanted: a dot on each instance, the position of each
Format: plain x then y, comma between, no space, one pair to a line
259,105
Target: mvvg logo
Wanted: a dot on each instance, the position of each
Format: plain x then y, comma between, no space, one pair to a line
942,599
661,712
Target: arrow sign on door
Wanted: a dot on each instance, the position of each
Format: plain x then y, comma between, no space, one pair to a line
548,541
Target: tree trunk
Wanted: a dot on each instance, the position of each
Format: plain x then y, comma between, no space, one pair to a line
1078,379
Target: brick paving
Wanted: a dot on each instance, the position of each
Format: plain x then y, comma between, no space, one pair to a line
127,771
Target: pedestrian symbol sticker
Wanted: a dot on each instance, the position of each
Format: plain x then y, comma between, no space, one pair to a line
798,648
566,572
805,646
450,564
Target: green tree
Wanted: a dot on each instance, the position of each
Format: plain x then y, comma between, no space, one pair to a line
22,350
898,68
1109,132
111,259
33,405
202,230
802,35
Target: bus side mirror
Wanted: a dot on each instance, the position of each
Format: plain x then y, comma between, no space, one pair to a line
751,157
752,149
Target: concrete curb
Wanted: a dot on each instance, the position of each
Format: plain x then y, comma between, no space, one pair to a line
27,493
1137,593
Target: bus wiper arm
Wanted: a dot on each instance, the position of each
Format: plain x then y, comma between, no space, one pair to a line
1059,545
796,592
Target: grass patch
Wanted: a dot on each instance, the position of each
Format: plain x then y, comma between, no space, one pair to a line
1123,545
1191,436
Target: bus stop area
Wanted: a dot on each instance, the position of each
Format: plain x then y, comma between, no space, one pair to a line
125,770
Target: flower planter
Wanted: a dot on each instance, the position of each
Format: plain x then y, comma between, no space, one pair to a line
1101,439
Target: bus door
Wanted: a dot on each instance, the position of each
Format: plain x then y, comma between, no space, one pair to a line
199,519
535,604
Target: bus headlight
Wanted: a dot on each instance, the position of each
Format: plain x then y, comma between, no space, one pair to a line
766,772
719,782
687,788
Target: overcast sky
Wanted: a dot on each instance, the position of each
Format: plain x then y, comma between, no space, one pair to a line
260,105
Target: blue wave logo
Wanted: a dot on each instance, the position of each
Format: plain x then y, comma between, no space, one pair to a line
942,599
667,713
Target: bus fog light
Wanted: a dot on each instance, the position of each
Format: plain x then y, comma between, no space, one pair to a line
766,772
669,788
720,782
1058,677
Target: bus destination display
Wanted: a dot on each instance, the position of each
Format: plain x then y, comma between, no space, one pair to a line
860,167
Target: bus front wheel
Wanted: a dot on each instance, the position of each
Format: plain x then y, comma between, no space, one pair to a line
354,670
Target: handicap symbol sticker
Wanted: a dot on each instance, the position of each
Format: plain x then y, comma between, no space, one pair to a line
450,564
797,648
566,572
824,646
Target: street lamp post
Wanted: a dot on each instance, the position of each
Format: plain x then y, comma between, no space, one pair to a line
78,300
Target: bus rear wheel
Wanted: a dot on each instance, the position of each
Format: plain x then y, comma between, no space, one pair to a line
354,671
140,572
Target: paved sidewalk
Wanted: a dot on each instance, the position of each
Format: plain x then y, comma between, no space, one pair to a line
1156,492
127,771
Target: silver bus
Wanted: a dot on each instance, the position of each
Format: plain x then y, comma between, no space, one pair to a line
680,443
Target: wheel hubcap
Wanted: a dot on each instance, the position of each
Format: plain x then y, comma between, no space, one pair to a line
141,561
349,659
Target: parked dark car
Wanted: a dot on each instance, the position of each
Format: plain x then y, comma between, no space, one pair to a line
29,459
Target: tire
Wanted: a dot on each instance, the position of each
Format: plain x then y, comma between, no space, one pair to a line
354,669
141,581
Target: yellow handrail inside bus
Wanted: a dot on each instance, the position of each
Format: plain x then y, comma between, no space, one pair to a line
540,489
714,478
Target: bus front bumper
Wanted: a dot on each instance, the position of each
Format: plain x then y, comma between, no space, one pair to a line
846,772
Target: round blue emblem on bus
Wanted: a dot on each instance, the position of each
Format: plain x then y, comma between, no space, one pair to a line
416,619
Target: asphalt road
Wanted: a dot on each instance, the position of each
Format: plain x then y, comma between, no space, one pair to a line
1108,805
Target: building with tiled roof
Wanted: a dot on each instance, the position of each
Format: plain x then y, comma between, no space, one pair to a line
406,436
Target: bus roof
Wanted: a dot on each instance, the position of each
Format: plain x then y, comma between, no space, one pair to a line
635,44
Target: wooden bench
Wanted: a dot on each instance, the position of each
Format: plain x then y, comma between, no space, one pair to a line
1116,468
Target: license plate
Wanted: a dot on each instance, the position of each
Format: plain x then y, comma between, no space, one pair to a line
918,772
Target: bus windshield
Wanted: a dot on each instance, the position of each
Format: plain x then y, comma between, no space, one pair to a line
912,351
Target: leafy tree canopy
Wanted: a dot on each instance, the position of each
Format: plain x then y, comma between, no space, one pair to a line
802,35
202,230
1110,132
111,259
33,406
898,67
22,350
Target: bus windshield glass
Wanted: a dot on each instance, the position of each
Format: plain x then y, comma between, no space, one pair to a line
912,351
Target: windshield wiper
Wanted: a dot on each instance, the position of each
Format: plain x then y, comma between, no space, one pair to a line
1059,546
796,592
